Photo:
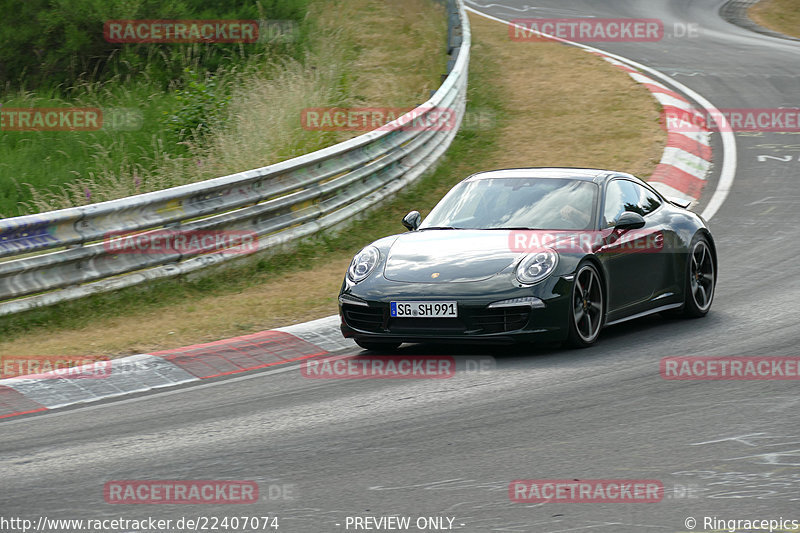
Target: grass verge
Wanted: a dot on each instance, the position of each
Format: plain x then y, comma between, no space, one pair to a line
524,109
779,15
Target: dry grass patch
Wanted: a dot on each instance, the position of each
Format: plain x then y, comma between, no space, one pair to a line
570,108
779,15
397,61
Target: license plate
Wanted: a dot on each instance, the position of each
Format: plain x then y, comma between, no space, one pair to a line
424,309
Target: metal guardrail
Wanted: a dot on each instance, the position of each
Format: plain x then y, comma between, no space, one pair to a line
280,203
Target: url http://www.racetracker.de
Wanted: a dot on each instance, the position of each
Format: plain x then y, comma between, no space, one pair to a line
43,524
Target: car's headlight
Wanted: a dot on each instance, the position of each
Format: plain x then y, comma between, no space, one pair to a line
363,264
536,266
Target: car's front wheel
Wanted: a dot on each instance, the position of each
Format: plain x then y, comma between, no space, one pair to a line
377,346
586,307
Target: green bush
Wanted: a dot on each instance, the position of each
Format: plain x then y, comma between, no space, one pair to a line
202,104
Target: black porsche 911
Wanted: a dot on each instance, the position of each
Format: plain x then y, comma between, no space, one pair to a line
531,254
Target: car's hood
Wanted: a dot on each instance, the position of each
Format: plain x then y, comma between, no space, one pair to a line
441,256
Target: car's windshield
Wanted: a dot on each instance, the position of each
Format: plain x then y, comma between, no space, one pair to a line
517,203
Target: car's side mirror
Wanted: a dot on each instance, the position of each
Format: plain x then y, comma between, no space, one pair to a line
412,220
629,220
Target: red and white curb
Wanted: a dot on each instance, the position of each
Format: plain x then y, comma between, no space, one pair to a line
168,368
686,160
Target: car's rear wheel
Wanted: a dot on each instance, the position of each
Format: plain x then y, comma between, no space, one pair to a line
586,307
700,279
378,346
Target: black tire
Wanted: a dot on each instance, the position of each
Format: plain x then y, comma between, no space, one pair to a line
378,346
586,307
701,278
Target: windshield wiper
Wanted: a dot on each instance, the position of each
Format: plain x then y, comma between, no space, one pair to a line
438,227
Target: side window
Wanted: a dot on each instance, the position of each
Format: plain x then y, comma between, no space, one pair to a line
648,201
624,195
621,196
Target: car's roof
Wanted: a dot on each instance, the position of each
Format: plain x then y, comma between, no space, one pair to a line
586,174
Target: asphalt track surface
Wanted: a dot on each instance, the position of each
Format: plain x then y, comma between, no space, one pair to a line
724,449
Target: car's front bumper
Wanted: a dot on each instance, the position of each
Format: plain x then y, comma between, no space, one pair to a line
365,314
